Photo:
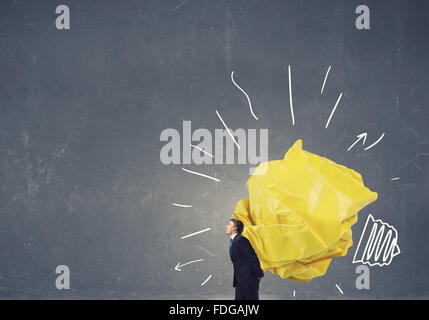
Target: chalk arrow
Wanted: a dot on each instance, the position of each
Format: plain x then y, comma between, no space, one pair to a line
360,136
177,268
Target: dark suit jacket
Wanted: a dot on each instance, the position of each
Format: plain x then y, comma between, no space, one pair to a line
247,269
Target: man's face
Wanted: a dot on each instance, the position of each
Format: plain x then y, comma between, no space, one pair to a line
230,228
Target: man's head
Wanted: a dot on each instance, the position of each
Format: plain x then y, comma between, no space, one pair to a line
234,226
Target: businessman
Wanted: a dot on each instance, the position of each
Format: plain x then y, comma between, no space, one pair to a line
247,270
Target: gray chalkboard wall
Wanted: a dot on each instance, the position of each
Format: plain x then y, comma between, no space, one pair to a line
82,110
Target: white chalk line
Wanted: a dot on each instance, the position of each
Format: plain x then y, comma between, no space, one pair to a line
369,147
182,205
202,150
206,280
290,95
193,234
324,81
333,110
201,174
338,287
248,99
229,132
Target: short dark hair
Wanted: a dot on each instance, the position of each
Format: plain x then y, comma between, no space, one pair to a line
238,224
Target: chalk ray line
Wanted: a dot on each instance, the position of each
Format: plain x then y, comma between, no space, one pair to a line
333,110
195,233
248,99
206,280
202,150
182,205
324,81
229,132
290,95
338,287
201,174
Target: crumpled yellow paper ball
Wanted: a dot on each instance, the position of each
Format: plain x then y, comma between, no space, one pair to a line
299,212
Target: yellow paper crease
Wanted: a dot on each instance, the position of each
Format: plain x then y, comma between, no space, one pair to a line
299,212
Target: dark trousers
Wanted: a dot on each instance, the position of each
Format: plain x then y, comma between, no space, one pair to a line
247,293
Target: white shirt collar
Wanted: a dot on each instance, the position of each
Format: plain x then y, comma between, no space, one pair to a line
232,237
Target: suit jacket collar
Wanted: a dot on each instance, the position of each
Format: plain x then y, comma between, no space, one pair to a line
236,238
234,235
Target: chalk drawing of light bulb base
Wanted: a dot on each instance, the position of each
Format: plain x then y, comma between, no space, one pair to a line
379,244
